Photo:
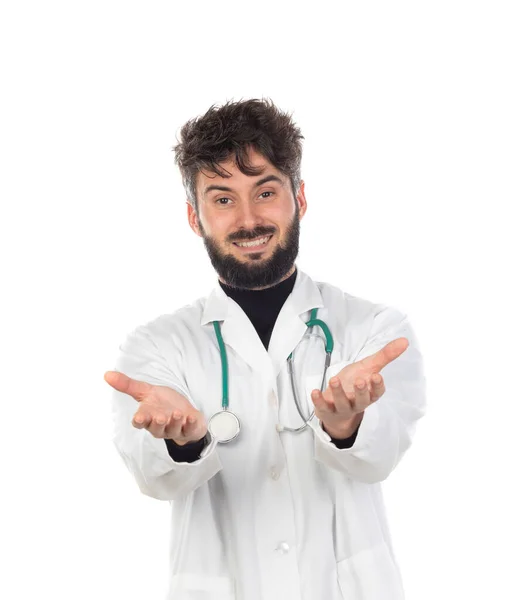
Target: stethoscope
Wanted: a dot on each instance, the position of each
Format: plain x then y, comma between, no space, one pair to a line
225,425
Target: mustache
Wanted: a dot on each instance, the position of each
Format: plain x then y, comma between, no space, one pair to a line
242,237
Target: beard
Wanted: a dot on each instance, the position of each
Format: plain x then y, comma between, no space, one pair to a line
255,272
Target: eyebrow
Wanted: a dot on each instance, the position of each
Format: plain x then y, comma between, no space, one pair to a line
224,188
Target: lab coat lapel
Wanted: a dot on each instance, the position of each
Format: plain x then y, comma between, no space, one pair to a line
290,324
237,330
240,335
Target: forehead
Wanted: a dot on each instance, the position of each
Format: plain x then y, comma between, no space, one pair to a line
206,179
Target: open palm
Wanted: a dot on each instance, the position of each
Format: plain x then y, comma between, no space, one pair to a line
162,410
356,386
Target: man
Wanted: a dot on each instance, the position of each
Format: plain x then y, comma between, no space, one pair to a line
291,508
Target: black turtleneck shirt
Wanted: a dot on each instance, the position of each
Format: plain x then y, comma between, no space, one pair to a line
262,308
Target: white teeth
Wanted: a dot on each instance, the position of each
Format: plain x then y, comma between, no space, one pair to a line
254,243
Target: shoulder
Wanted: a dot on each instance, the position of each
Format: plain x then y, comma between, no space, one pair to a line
357,308
169,332
360,318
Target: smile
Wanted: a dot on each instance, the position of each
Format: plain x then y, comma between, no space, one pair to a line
254,244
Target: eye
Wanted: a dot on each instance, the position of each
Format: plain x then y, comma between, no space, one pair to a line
221,200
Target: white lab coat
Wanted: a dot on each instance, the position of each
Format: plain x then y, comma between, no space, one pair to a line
274,516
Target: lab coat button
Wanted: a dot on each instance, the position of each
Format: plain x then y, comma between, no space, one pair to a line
274,473
282,548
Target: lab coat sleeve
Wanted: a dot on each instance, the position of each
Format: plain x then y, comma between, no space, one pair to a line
145,456
387,428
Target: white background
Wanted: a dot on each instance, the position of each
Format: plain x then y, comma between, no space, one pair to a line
406,109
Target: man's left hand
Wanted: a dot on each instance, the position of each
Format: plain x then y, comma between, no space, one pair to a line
341,406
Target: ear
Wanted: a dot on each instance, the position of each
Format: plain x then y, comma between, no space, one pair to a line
301,199
192,218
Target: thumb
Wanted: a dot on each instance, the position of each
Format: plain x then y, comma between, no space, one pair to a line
121,382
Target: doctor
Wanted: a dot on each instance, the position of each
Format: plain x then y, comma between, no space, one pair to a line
269,436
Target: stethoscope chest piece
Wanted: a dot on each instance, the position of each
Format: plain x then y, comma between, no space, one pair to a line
225,426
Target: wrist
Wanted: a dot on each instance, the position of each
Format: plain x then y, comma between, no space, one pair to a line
344,429
185,443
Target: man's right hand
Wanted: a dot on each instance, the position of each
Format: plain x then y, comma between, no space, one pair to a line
162,410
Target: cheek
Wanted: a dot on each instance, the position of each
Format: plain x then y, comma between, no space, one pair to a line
216,227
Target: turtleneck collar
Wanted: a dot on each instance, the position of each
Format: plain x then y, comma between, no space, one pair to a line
262,306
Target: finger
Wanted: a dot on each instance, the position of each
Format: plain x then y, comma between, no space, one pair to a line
376,362
173,429
377,387
343,403
158,425
121,382
191,427
141,419
321,403
185,429
362,395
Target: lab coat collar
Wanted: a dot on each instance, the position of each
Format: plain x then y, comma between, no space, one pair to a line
239,333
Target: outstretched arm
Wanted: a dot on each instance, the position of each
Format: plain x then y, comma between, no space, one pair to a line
385,411
145,418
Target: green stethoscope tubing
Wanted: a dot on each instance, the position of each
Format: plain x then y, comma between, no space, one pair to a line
329,346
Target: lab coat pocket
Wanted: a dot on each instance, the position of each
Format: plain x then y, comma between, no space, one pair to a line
370,574
197,586
313,382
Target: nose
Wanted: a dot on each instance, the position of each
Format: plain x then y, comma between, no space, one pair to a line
248,216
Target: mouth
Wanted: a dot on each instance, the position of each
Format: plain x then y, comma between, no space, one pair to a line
254,245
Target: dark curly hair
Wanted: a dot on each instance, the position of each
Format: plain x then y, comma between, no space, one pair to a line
228,131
